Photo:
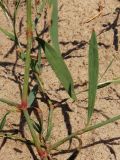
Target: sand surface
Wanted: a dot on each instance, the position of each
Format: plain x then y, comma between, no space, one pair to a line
74,35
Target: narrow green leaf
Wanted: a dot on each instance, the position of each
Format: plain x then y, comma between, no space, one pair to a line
93,66
3,121
116,80
50,123
5,10
11,103
54,25
48,135
101,124
22,56
58,65
33,64
104,84
32,95
87,129
36,64
3,7
8,34
37,126
15,18
39,64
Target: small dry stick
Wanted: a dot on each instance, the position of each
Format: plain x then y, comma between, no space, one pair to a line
100,9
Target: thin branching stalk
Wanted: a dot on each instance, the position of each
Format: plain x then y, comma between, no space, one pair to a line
24,103
28,51
16,138
50,105
80,132
14,21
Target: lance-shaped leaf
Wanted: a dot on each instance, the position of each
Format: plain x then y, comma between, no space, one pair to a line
8,34
3,121
58,65
53,18
104,84
10,103
5,10
37,126
93,66
32,95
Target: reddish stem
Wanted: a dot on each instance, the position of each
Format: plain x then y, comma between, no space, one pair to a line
23,105
43,154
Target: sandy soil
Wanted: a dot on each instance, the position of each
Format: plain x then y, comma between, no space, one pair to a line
74,34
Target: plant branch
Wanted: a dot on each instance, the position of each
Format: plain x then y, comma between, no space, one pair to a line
80,132
16,138
24,104
28,51
11,103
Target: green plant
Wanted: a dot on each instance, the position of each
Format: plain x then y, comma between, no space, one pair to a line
53,55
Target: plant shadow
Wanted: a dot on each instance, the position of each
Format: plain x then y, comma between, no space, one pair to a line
108,143
113,26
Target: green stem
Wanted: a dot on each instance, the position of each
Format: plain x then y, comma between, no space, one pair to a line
14,21
80,132
28,51
24,103
34,136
